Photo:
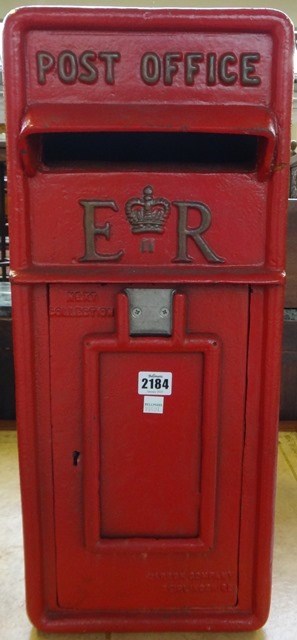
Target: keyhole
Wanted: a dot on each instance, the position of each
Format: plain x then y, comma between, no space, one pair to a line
75,458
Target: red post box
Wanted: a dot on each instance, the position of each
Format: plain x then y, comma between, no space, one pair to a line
148,177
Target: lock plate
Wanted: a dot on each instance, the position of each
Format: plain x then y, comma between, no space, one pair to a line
150,311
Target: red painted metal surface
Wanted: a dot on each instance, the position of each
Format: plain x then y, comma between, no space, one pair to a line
147,149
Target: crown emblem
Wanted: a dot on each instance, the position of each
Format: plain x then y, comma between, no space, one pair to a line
147,213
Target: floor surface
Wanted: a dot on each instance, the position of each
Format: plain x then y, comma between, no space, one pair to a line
282,623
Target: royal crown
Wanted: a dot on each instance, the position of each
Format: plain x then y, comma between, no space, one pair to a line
147,213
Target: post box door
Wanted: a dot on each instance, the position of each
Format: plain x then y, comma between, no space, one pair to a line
147,488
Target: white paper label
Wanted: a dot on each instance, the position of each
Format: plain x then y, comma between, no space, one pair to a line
155,383
153,404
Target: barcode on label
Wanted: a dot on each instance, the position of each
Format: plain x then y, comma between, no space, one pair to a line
153,405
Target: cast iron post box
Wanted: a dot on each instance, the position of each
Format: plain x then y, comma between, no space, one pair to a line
148,177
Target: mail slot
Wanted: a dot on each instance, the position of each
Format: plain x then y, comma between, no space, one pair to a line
148,178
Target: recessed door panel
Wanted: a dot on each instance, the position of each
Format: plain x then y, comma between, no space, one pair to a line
150,445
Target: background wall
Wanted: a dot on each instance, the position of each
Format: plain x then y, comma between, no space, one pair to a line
289,368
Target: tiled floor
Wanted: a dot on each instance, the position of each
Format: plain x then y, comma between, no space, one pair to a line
282,623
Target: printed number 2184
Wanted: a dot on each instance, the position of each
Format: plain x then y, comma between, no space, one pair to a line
155,383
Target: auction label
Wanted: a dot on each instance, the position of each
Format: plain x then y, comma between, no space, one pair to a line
153,404
155,383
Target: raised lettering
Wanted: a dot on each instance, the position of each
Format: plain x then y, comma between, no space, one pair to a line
227,77
170,66
150,68
195,234
147,245
91,231
67,67
211,77
45,63
86,60
192,66
109,58
247,68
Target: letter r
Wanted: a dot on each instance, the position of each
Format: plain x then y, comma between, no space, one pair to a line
185,232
